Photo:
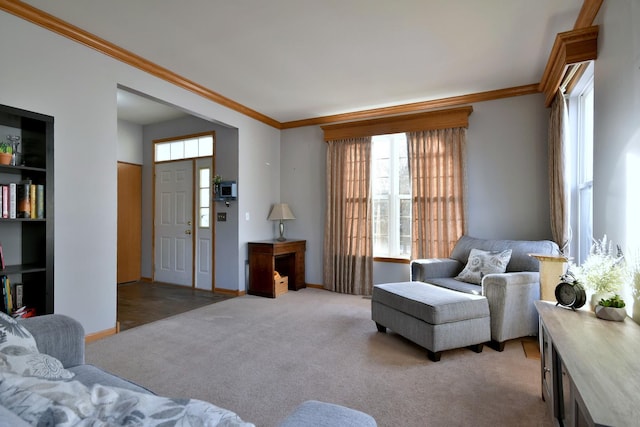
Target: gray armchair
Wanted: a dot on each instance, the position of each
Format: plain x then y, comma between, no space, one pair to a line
510,295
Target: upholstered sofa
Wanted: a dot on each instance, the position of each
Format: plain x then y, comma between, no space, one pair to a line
510,294
62,338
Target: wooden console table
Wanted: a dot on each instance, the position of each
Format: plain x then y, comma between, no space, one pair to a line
266,257
589,367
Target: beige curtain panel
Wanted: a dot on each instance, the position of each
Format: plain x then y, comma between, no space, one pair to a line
348,242
558,181
437,168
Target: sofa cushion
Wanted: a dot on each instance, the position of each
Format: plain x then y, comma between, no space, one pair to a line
520,250
19,353
481,263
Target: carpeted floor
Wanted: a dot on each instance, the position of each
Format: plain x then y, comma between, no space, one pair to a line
262,357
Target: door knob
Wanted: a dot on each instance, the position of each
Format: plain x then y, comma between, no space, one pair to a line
187,232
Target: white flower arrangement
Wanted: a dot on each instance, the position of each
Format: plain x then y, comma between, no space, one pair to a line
604,271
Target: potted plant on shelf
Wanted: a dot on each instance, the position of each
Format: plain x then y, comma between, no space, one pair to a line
217,179
604,272
611,309
6,153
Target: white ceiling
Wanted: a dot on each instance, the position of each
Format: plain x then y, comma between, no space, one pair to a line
299,59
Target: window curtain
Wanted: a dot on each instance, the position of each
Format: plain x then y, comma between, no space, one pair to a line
558,181
437,168
348,241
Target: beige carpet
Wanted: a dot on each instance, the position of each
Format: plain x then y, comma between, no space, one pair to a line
262,357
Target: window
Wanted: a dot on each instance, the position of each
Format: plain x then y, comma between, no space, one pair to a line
580,106
204,200
391,190
178,149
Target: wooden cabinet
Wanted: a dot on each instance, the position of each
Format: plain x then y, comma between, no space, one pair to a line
267,257
27,242
589,367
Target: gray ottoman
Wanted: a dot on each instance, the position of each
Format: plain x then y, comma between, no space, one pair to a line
435,318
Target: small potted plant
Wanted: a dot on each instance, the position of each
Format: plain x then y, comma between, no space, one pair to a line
611,309
6,153
217,179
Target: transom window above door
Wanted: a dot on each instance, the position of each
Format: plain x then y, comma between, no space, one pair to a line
188,148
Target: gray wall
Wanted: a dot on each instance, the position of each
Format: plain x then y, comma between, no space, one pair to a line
507,169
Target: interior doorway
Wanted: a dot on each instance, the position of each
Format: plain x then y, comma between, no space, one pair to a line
183,233
143,119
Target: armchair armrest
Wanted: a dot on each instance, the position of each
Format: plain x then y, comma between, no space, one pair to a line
59,336
423,269
511,297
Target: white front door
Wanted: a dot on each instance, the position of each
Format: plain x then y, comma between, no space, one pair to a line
174,222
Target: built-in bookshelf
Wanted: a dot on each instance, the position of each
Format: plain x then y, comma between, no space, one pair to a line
26,235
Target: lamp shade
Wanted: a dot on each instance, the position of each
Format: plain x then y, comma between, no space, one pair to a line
280,211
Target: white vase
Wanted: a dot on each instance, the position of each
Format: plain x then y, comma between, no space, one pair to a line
611,313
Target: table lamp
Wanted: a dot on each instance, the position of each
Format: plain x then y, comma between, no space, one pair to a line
281,212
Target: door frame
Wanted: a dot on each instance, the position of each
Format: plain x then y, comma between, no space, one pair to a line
194,208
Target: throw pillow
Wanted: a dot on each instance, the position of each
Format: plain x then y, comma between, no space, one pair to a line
481,263
19,353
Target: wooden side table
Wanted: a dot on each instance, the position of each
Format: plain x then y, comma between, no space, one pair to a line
551,268
266,257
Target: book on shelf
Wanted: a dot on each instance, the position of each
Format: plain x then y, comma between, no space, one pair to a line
32,199
19,295
23,199
6,295
12,199
2,265
5,201
39,201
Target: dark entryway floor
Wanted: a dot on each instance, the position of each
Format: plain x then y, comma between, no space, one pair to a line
145,302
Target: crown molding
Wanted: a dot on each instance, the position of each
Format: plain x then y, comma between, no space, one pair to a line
56,25
453,101
570,47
